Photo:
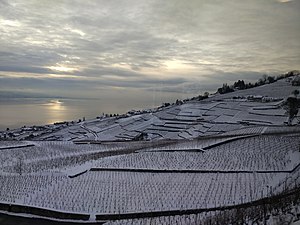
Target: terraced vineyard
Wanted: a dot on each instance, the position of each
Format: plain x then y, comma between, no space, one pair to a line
190,119
122,192
230,171
254,154
189,163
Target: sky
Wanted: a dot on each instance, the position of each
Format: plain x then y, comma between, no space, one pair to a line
142,49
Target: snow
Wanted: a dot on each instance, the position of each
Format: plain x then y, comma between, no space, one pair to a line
120,192
216,152
78,169
254,154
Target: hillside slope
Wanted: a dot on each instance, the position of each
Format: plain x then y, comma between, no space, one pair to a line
218,114
255,110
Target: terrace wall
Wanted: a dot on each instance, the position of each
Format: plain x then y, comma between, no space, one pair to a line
42,212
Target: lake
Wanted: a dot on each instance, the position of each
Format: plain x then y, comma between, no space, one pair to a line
18,112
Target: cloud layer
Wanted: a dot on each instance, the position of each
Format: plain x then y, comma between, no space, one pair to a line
91,48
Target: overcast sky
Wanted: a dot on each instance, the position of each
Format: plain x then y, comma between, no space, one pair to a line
133,48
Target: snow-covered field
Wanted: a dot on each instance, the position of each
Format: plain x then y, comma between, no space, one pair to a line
270,153
222,151
189,121
122,192
229,173
44,156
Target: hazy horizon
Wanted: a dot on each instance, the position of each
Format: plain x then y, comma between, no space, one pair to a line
19,112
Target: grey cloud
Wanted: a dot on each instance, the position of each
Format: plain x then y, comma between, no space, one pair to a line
25,69
7,95
225,77
100,71
67,87
189,88
211,82
218,38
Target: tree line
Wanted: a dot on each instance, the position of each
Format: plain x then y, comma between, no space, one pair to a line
241,85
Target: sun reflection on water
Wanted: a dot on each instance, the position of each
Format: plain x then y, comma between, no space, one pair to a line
55,105
56,111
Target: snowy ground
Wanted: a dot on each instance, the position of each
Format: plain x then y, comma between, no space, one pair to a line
216,115
227,172
187,121
198,155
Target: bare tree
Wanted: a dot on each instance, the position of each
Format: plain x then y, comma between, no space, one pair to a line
291,105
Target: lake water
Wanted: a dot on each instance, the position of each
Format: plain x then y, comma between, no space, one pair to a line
23,111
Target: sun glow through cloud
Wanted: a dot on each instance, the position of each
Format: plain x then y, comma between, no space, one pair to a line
178,65
11,23
76,31
284,1
61,68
